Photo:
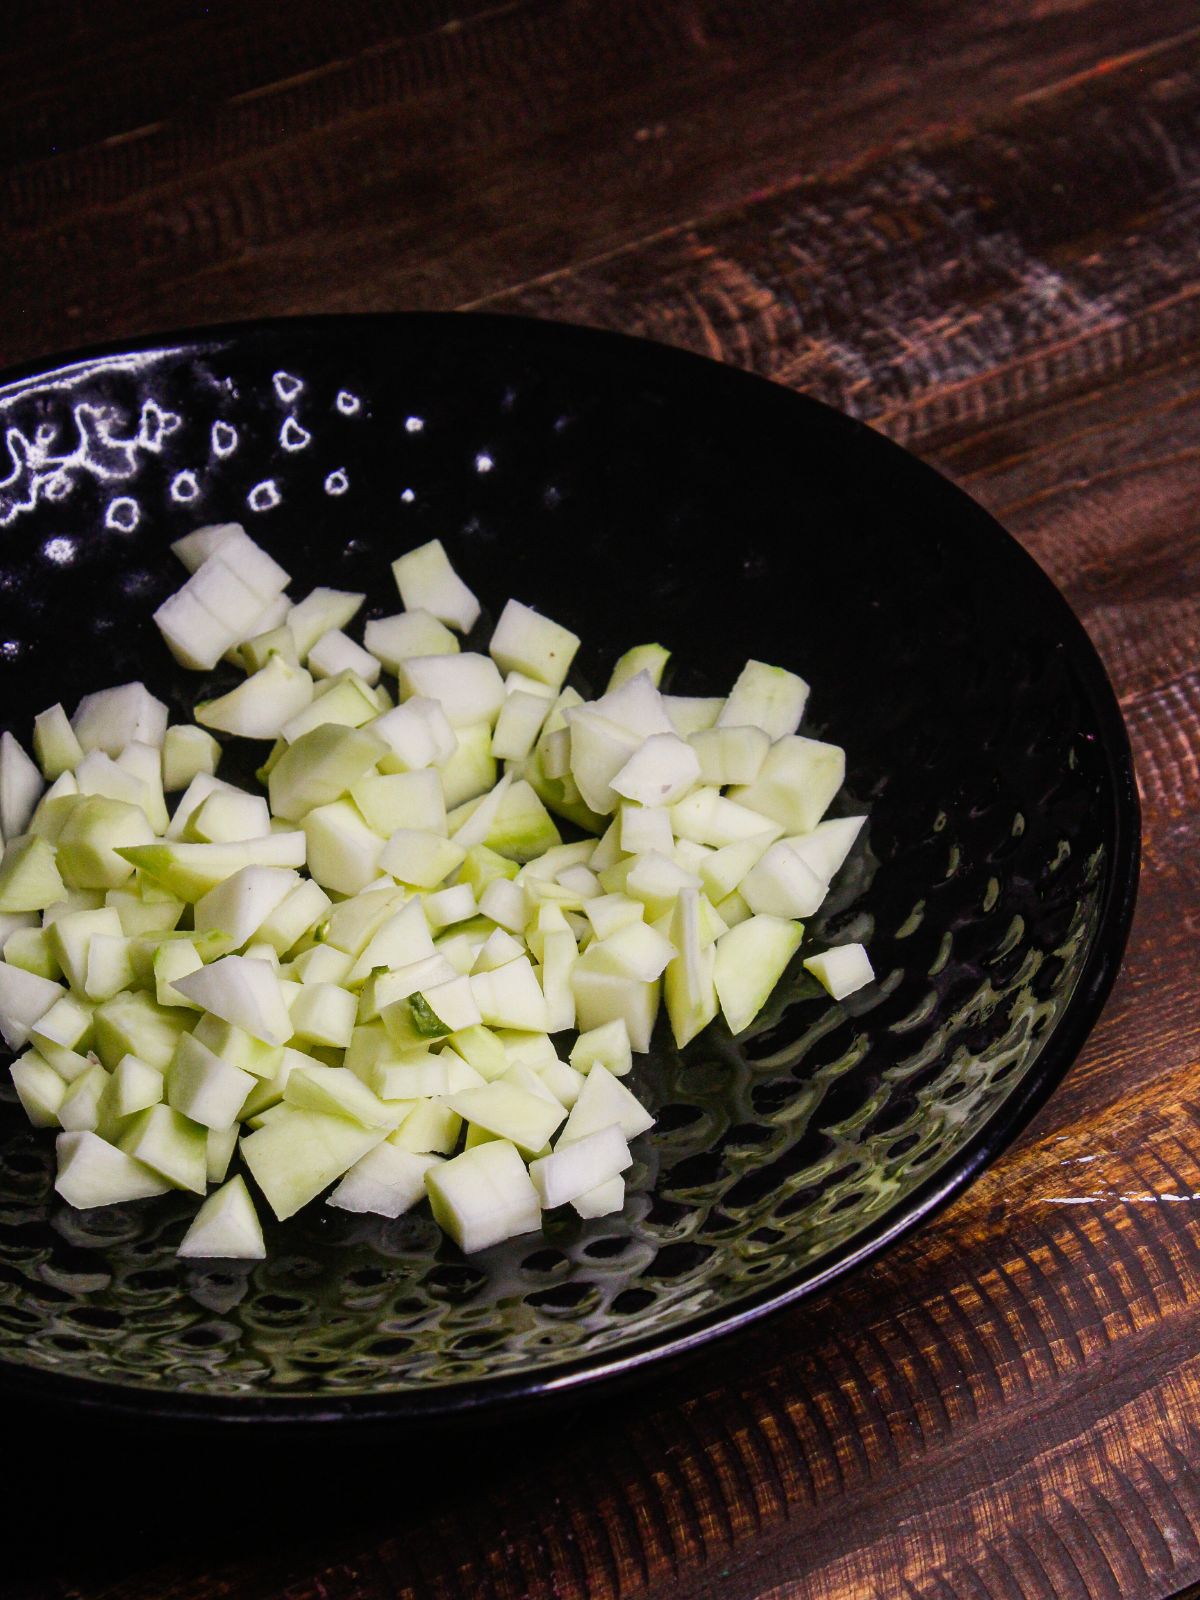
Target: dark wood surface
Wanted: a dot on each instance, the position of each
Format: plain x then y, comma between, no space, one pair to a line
973,222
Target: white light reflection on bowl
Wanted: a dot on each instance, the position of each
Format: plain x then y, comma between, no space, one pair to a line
287,387
293,437
61,551
123,514
264,496
185,486
224,438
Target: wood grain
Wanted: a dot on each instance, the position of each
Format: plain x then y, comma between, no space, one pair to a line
432,159
977,226
937,287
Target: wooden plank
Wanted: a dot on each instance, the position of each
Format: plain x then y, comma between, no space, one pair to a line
442,168
1005,1404
1104,491
959,281
148,64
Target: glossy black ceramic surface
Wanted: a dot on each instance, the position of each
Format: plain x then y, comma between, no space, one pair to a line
634,493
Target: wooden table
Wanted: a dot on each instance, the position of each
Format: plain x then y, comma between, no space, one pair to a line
974,222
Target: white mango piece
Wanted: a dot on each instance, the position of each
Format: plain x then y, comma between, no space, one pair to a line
525,641
579,1165
263,705
226,1227
765,697
842,970
483,1196
244,992
427,582
336,652
20,786
387,1181
409,633
92,1172
468,687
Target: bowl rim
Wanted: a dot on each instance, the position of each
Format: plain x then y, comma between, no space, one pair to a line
481,1398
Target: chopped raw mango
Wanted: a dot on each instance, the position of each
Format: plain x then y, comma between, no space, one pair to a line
359,974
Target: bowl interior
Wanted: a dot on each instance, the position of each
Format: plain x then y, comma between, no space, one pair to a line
632,493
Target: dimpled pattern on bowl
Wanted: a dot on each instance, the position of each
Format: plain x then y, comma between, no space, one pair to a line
632,493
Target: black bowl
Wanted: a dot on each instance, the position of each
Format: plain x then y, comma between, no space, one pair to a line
634,493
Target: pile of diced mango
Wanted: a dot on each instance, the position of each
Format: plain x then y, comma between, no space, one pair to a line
354,977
